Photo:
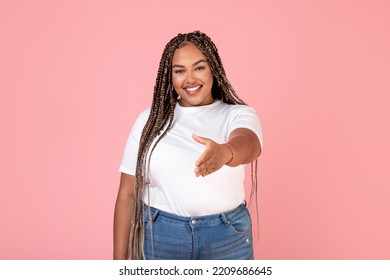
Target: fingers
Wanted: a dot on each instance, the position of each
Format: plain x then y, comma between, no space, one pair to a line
205,155
203,158
204,171
202,165
205,165
200,140
209,161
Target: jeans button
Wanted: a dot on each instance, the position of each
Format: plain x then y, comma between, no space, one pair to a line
193,221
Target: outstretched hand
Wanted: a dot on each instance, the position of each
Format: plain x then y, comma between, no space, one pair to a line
213,157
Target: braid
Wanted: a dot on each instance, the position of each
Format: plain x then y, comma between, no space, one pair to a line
161,117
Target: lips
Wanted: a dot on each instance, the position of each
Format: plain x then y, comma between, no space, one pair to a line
193,90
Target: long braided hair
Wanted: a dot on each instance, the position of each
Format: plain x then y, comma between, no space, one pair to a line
161,119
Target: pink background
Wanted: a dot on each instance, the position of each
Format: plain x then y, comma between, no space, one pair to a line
75,74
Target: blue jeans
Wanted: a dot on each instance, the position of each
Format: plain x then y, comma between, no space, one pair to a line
225,236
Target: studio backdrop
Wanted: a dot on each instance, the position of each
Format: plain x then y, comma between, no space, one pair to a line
75,74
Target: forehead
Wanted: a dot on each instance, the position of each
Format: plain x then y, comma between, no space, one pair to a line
188,53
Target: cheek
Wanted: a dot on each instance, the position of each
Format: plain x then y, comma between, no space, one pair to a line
210,79
209,76
176,83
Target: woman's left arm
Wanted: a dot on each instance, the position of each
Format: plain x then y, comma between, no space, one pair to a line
242,147
246,146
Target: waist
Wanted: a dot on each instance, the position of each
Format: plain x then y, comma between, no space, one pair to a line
206,220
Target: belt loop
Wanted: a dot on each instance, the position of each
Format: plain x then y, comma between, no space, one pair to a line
155,214
225,219
151,213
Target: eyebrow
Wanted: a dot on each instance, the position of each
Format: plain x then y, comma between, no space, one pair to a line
196,63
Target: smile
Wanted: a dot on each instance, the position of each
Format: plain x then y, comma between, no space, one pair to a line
193,89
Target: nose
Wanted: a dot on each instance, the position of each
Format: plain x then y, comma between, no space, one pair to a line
190,78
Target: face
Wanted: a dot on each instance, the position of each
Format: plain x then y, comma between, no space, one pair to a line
191,76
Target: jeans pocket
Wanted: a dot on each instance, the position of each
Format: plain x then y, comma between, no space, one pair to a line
241,223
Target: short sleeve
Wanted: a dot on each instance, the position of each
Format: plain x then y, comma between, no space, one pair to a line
246,117
129,159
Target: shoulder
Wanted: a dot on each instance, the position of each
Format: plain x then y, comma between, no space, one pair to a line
142,118
244,116
144,115
236,109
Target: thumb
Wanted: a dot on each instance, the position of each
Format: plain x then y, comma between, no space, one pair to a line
199,139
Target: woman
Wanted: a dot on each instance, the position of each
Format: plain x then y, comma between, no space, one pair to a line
181,193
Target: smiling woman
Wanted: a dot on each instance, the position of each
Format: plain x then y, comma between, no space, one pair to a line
192,78
181,195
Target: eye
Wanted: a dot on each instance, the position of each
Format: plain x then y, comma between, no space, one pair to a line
199,68
179,71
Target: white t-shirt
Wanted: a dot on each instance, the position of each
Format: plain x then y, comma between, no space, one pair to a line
173,187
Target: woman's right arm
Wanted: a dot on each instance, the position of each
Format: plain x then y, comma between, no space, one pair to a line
122,216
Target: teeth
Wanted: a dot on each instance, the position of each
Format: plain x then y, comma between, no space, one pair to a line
193,89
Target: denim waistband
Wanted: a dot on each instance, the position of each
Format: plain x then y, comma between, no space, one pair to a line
208,220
